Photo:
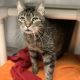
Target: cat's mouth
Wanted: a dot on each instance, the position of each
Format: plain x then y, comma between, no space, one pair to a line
28,31
31,30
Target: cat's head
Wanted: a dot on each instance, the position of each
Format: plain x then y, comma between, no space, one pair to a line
30,19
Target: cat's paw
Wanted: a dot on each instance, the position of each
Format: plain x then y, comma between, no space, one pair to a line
35,70
48,79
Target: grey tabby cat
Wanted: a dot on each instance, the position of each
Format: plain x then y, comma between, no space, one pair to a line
41,37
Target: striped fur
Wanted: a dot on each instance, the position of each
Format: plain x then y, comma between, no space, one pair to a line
41,37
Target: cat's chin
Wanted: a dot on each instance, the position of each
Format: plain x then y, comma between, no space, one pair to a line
28,32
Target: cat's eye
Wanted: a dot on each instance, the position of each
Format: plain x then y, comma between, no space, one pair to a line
22,18
34,18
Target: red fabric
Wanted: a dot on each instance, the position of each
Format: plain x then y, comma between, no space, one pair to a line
22,63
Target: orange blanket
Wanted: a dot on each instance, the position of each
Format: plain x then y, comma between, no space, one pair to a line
5,71
67,68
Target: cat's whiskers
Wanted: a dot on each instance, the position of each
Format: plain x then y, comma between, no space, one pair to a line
20,37
19,33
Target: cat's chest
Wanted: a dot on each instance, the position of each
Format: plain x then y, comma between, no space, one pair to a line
34,44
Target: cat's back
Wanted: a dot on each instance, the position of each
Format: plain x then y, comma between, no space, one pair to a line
55,35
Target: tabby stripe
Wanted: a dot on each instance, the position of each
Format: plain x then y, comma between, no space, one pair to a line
33,51
33,56
47,63
32,14
51,72
52,65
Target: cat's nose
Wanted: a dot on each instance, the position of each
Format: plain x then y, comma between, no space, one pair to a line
28,24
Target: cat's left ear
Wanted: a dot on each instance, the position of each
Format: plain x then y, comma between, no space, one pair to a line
20,6
41,9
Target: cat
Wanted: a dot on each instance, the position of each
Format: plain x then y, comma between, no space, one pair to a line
41,36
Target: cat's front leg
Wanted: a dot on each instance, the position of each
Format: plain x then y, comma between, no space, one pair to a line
48,66
33,57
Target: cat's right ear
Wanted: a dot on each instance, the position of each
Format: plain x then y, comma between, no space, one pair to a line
20,6
41,9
